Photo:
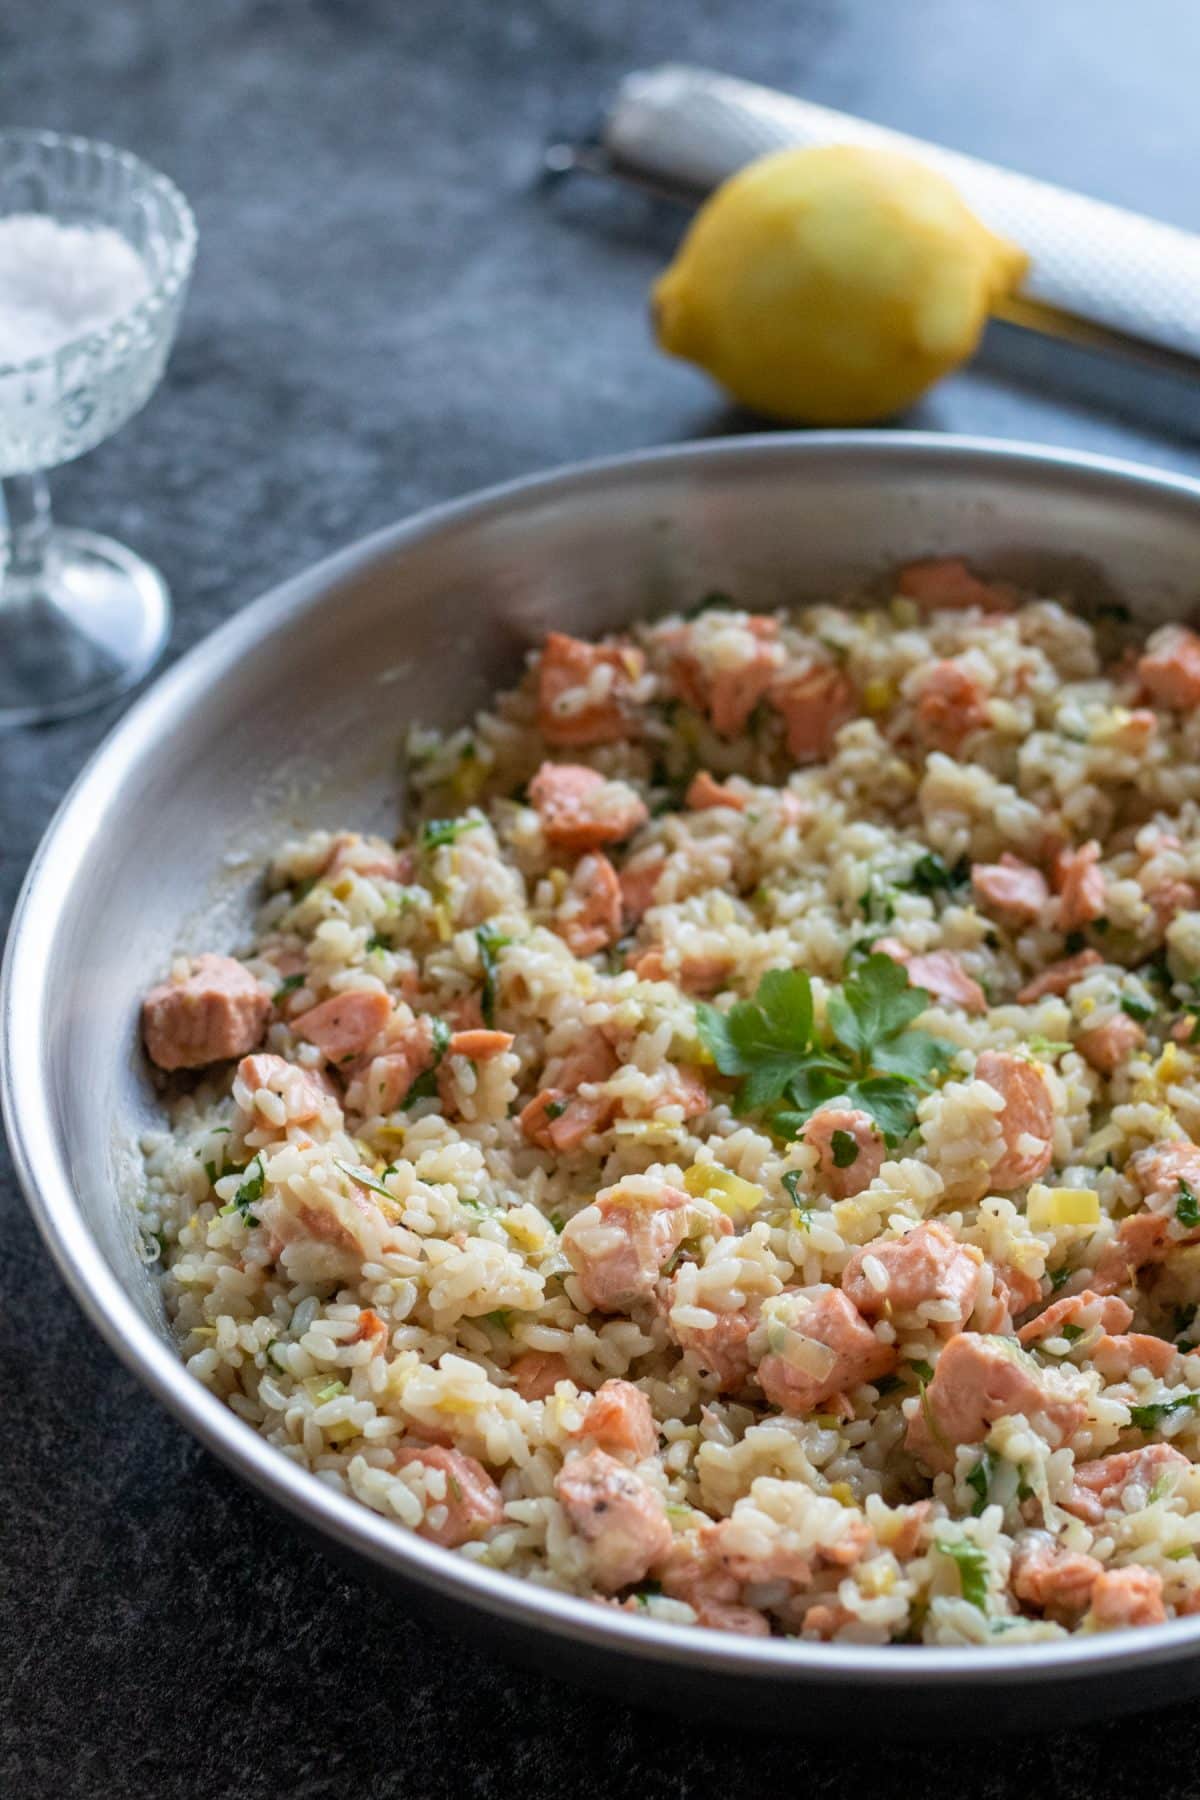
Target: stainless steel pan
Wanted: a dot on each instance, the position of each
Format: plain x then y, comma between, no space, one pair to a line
292,713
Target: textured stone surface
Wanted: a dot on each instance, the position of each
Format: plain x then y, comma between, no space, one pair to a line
386,313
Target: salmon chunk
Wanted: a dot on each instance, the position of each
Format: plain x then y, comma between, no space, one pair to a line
827,1322
1170,668
849,1147
951,704
473,1504
704,794
580,810
978,1380
1026,1123
342,1026
1010,890
1126,1597
1102,1486
1105,1047
589,916
1079,884
1055,1582
721,1351
536,1373
1158,1170
1117,1357
587,692
696,1573
639,883
1060,977
945,980
387,1078
896,1275
702,975
619,1419
350,854
724,669
1088,1309
479,1045
302,1091
945,584
618,1245
620,1516
216,1012
1141,1239
814,705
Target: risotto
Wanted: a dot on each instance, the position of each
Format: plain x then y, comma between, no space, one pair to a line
737,1156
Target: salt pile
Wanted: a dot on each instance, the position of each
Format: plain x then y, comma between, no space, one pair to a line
59,282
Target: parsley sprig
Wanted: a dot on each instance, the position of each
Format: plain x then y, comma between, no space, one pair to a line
871,1054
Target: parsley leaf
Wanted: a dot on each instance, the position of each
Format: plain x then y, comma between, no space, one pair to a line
490,942
251,1189
972,1570
762,1039
874,1004
801,1213
1187,1207
363,1179
1141,1010
980,1481
930,875
425,1086
437,832
1149,1417
288,985
845,1150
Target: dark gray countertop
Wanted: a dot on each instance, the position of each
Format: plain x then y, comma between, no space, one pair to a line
386,313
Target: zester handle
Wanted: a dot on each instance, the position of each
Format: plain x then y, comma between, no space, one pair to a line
688,129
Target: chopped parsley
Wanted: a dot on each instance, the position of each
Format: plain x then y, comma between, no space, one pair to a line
490,942
1044,1046
375,942
1060,1277
289,984
923,1372
251,1189
1151,1416
715,601
554,1109
1141,1010
931,875
1072,1333
873,1057
972,1570
801,1214
845,1150
436,833
649,1590
557,1221
425,1087
363,1179
1187,1207
980,1481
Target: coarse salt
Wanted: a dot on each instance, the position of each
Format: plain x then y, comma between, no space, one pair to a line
60,282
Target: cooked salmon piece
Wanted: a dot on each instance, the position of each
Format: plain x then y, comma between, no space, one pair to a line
945,584
1169,669
1010,890
976,1381
218,1011
536,1373
473,1504
1117,1357
1105,1047
1087,1309
951,704
1101,1486
1126,1597
1060,977
479,1045
695,1573
849,1148
343,1026
387,1078
560,1117
701,975
720,1351
945,980
1158,1170
897,1275
580,810
639,880
620,1516
727,686
814,704
704,794
588,918
1140,1239
618,1245
1167,899
1056,1582
1026,1123
302,1091
371,1329
1079,884
586,692
858,1356
686,1089
619,1419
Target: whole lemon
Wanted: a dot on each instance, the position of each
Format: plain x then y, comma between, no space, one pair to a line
832,285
